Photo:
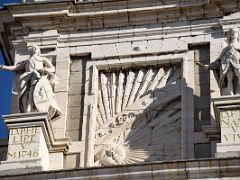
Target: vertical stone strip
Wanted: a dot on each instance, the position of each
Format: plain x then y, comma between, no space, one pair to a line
61,90
90,114
188,106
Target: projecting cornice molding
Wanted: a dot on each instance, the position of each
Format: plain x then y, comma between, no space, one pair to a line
98,8
131,8
47,39
41,120
92,23
39,10
230,21
157,31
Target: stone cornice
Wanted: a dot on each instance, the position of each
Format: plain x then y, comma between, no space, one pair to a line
183,169
39,10
96,9
171,30
157,6
90,19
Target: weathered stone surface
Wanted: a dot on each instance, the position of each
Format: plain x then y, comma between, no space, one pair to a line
193,169
129,88
228,119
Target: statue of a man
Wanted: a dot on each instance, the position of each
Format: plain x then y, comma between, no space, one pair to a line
227,66
29,74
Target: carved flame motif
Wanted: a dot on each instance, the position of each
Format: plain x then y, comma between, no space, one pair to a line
128,101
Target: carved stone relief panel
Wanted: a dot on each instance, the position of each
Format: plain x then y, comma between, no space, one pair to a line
138,115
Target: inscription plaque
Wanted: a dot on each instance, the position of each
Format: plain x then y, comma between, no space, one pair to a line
24,143
230,121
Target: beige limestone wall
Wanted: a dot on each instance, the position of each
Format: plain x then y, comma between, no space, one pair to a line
110,36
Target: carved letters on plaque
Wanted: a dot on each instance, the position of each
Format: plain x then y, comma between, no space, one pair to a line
23,139
230,122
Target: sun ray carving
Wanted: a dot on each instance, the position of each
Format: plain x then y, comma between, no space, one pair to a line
132,111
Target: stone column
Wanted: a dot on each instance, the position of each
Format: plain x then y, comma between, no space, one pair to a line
227,112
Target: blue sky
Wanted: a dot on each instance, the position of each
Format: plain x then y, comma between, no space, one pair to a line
5,86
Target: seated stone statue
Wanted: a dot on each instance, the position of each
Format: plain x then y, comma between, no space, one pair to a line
34,79
227,66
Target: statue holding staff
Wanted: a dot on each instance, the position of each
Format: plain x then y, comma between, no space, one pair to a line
227,66
34,79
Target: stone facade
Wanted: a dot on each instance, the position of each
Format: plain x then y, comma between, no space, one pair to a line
226,169
130,88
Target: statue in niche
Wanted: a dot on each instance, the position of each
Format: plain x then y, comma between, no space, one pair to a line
34,80
227,66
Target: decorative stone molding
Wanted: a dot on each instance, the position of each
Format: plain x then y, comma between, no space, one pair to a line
100,78
41,120
67,16
132,106
130,103
230,21
46,39
190,169
31,142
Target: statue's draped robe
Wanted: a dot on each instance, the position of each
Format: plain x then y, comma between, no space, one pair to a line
229,60
26,77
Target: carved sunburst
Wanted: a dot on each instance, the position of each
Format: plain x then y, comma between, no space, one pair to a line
128,100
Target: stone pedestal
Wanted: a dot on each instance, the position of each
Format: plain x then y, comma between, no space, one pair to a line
227,111
28,143
31,141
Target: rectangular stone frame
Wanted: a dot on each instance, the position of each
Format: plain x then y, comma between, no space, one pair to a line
91,89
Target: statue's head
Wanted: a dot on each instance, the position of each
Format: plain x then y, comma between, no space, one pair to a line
34,50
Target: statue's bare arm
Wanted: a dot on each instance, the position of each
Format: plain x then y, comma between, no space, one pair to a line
8,68
215,64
